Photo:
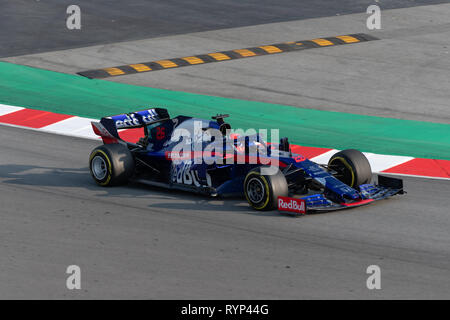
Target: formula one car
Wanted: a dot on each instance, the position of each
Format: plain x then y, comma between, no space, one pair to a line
204,156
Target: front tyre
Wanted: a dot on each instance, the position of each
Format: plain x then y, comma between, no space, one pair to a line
111,164
352,167
262,191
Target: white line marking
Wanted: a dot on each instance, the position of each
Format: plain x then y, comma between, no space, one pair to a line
67,134
324,157
380,162
5,109
75,126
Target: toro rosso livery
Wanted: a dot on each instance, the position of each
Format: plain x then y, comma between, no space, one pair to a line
173,153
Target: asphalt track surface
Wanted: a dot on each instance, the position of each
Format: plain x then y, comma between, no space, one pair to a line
38,26
141,242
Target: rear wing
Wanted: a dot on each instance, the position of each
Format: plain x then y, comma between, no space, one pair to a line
108,126
137,119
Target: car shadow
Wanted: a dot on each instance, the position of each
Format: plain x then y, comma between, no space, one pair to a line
40,176
196,202
31,175
183,200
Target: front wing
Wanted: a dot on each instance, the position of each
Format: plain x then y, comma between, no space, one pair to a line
386,188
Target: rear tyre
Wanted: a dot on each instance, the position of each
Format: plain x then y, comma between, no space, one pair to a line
111,164
262,191
352,166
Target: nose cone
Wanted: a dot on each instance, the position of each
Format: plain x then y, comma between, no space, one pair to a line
348,193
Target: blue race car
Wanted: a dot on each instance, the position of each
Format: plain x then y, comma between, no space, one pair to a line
203,156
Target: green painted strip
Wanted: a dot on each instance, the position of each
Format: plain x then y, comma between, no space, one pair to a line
70,94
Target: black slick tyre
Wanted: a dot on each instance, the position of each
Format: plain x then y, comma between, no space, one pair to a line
262,190
352,167
111,164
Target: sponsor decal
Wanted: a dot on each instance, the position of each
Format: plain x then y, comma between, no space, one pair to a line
184,174
130,120
179,155
151,117
294,205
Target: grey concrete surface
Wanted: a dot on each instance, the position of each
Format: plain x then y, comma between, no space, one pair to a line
31,26
141,242
403,75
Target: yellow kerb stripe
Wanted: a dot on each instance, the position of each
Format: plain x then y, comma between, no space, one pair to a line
348,39
271,49
219,56
245,52
166,63
193,60
140,67
322,42
114,71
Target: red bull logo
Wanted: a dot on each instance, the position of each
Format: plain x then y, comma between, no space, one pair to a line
286,204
